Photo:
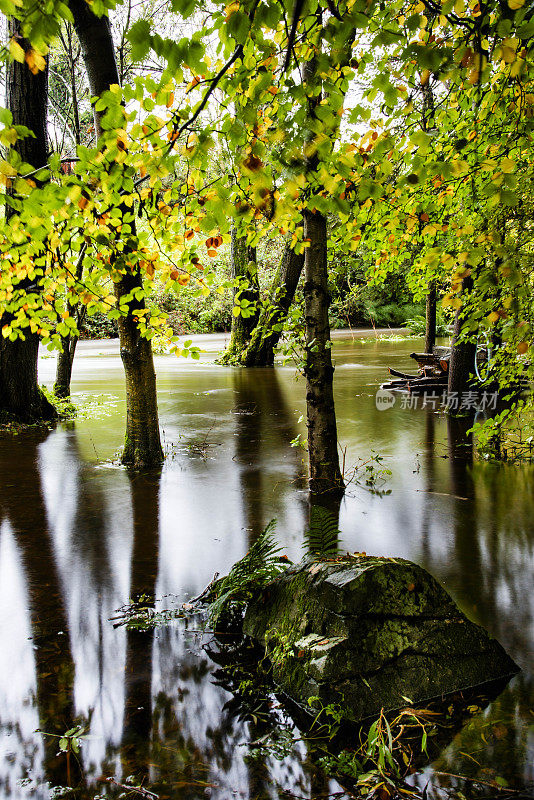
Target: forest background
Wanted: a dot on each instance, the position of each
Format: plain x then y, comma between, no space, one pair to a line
381,148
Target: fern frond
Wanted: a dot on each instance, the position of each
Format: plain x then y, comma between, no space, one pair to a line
258,567
322,539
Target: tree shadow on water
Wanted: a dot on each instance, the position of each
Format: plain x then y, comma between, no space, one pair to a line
22,505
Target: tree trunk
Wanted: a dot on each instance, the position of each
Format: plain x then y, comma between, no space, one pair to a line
27,97
325,475
94,34
66,355
65,361
463,353
244,270
142,447
430,335
142,444
266,334
65,358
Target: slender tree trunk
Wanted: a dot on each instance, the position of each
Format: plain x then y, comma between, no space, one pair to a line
266,334
244,270
65,361
27,98
430,335
325,475
142,443
463,353
65,358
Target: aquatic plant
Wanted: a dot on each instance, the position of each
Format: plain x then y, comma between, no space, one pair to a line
258,567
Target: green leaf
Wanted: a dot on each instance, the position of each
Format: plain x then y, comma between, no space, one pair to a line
6,117
140,39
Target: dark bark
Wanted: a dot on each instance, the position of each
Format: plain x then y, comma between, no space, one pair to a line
27,97
430,334
244,270
94,34
463,353
66,355
325,475
142,443
266,334
65,361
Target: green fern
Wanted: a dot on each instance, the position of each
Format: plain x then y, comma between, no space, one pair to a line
258,567
322,539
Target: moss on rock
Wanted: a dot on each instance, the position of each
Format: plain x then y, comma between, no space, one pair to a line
366,633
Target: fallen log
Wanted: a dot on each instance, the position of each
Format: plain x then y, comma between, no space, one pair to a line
424,359
405,375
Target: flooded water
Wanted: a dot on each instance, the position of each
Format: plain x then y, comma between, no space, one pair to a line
80,536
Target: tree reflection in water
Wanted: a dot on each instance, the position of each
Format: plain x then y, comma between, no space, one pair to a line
53,662
80,538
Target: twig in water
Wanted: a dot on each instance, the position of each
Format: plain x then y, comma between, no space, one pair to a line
138,789
205,591
493,785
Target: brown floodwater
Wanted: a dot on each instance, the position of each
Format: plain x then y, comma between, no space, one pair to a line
80,536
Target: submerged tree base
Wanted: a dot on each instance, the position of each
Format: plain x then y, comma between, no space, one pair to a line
42,412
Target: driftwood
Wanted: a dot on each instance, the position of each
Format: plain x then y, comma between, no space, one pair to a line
397,374
433,372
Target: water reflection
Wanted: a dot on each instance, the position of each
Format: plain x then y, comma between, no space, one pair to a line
264,429
50,641
137,723
80,538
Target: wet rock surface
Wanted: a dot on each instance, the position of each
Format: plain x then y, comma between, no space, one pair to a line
367,633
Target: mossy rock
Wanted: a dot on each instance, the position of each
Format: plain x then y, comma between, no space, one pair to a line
366,633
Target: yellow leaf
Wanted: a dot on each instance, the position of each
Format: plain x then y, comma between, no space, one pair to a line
35,61
17,52
522,347
459,167
507,165
7,170
515,4
493,317
8,136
